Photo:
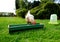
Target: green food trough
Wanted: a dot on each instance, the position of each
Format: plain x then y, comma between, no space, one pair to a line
19,27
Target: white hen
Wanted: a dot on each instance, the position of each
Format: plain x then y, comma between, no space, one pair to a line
29,17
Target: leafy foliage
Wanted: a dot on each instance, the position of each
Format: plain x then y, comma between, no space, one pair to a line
17,4
52,8
20,4
36,11
44,11
41,10
35,3
21,12
44,1
23,6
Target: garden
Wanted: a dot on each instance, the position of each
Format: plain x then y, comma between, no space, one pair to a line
41,10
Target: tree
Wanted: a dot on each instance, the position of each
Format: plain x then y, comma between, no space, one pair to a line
26,4
47,1
17,4
35,3
21,4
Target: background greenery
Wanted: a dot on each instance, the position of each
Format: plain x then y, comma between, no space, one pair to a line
40,10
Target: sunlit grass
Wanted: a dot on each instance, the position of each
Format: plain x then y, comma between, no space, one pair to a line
51,33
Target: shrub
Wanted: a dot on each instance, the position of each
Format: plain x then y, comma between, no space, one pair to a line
36,11
44,11
52,8
44,1
42,14
21,12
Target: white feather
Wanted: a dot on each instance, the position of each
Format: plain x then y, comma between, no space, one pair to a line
29,16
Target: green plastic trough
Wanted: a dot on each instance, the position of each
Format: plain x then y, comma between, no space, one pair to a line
19,27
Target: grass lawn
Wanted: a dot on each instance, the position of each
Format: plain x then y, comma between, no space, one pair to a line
51,33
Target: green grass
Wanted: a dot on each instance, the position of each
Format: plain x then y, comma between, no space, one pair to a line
51,33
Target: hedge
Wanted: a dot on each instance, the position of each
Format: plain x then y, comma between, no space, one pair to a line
21,12
44,11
